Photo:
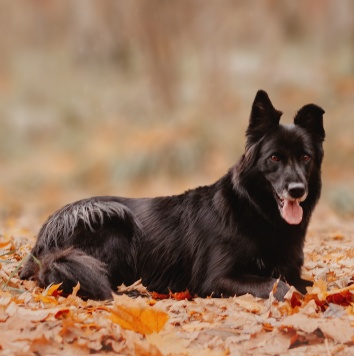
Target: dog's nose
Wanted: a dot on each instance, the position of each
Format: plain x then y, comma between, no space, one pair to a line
296,190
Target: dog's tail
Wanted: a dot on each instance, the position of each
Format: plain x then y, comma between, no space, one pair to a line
80,243
71,266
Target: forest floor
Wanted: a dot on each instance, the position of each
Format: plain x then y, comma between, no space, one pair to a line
42,322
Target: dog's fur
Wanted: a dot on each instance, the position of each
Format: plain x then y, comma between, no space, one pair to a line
236,236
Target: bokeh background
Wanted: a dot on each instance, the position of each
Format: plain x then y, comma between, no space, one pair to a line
143,98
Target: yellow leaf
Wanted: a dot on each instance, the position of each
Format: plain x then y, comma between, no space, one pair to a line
342,290
52,290
45,299
49,294
320,289
143,320
76,289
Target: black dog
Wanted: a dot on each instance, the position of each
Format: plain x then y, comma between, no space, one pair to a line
236,236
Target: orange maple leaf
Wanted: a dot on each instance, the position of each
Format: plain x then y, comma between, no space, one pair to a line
322,297
62,314
143,320
181,295
156,295
178,295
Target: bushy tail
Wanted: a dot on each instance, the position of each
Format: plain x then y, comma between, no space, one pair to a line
70,266
90,241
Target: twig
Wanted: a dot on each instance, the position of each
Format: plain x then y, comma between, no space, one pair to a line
14,272
327,348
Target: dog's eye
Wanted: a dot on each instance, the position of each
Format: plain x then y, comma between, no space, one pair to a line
274,158
305,158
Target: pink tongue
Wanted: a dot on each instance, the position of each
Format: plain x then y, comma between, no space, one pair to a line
292,212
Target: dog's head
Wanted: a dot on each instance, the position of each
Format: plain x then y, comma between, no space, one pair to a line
285,156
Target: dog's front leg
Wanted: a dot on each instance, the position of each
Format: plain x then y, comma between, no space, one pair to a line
293,277
255,285
300,284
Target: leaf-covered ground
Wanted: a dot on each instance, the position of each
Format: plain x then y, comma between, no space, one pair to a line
42,322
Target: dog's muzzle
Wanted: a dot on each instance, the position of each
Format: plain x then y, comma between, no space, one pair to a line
297,191
289,203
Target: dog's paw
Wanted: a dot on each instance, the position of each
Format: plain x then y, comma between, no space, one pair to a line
302,284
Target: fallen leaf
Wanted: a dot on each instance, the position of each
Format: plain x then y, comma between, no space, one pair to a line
176,296
142,320
294,297
45,299
168,344
334,310
339,330
160,296
268,327
299,321
4,243
135,287
75,289
342,296
53,290
319,289
275,343
248,304
196,325
49,294
62,313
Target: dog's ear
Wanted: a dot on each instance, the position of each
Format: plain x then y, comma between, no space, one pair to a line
310,117
264,117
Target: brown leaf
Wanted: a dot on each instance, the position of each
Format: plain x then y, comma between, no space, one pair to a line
300,321
168,344
275,343
340,330
248,304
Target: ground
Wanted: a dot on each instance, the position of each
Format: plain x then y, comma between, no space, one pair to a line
42,322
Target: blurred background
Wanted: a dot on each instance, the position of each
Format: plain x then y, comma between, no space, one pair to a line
143,98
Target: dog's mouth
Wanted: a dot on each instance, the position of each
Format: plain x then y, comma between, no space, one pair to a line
290,209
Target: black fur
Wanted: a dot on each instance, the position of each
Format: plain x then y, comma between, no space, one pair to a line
236,236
